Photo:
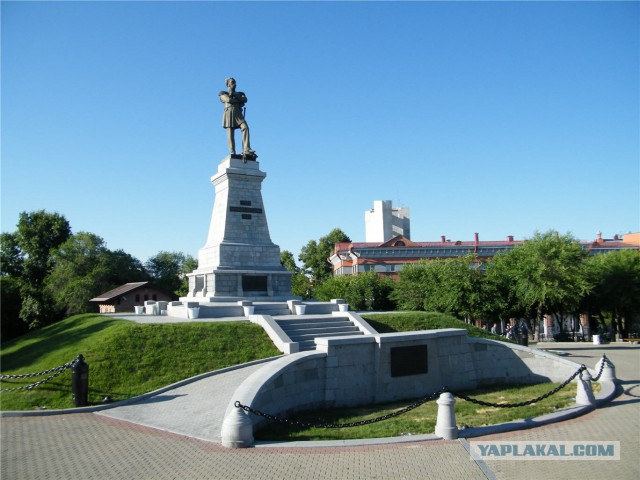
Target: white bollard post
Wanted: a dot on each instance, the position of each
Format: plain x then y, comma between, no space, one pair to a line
584,396
446,422
237,430
608,371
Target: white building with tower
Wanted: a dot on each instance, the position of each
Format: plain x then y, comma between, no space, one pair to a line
383,222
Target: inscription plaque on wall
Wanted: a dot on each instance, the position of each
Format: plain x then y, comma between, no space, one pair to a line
408,360
254,283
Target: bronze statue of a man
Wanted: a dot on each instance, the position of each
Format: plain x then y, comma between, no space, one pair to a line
233,117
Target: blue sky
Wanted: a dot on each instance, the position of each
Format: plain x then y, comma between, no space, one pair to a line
501,118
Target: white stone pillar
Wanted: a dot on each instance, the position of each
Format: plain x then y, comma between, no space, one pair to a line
584,396
237,430
446,423
608,371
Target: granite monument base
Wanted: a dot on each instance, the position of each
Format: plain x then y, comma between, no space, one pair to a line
217,284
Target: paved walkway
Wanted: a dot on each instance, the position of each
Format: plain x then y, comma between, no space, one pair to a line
162,439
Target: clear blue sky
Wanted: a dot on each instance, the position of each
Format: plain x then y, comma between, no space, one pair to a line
500,118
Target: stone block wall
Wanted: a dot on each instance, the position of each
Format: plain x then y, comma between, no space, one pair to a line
289,384
350,370
357,370
499,363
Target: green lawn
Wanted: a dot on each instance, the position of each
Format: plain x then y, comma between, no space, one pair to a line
422,420
412,321
125,359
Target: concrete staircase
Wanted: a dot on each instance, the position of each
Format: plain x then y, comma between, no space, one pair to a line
303,329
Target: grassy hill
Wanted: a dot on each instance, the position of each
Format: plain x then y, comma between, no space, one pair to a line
127,359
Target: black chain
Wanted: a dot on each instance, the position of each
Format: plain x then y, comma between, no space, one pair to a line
38,374
528,402
297,423
56,372
604,360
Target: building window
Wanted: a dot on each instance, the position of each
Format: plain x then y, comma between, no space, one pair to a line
155,297
137,298
146,297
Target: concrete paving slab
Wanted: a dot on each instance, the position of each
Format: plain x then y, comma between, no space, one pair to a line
196,410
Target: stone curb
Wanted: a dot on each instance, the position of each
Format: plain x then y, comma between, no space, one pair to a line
128,401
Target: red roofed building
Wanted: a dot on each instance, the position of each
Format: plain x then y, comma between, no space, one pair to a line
388,258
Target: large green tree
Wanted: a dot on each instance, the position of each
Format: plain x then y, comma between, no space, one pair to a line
545,275
38,235
83,267
454,285
410,291
288,261
315,255
79,272
615,281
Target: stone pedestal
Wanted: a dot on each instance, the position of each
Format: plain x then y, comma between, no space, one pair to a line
239,258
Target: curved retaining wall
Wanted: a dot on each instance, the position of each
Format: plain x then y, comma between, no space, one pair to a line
355,370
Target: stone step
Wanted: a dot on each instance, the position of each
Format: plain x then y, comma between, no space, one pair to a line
311,336
303,329
273,309
306,345
318,329
305,325
311,319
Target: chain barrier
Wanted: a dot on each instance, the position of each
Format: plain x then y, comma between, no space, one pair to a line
604,360
56,371
528,402
369,421
296,423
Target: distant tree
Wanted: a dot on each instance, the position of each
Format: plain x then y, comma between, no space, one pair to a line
288,261
166,270
410,291
545,275
301,286
365,291
83,268
189,265
38,234
454,285
503,302
124,268
615,281
315,255
461,289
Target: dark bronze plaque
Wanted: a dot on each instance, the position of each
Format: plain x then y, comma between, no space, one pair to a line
245,209
409,361
254,283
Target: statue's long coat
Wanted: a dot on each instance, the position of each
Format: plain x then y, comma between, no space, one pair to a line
232,116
